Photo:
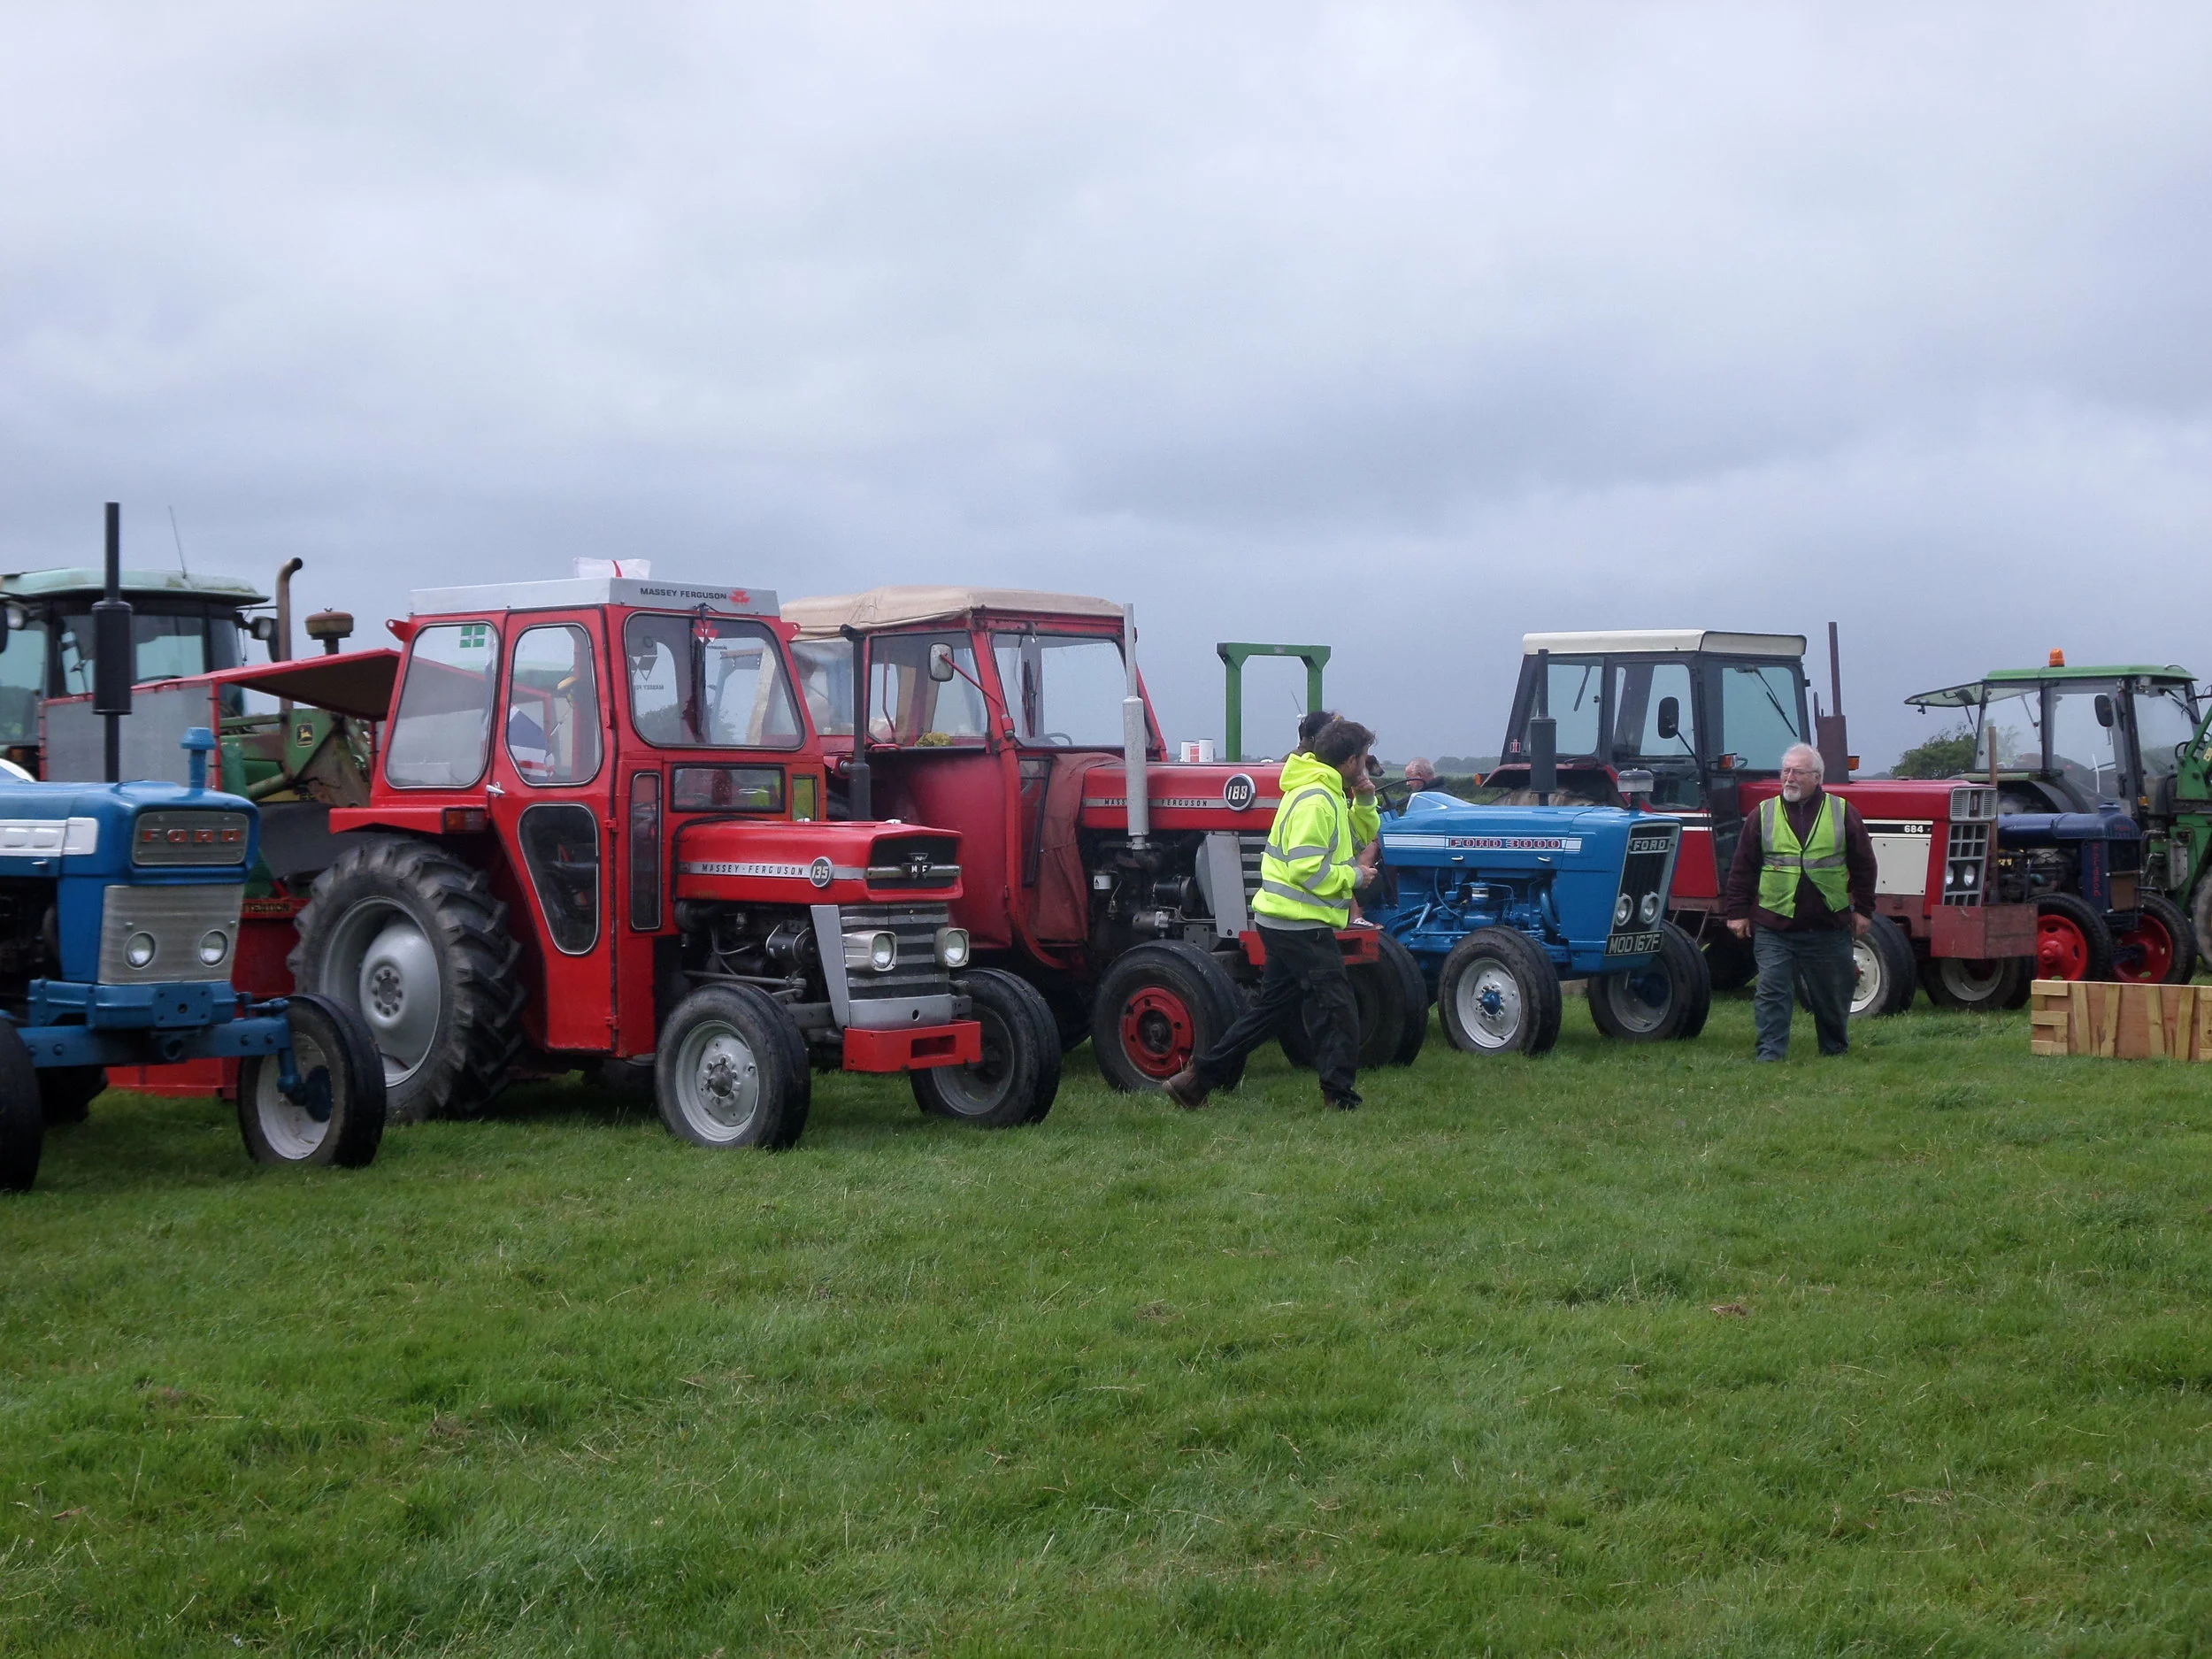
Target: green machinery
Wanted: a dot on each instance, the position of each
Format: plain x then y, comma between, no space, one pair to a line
1234,653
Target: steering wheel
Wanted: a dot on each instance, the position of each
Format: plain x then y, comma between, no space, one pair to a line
1392,797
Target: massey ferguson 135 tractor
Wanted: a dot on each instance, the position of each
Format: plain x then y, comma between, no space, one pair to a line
593,833
1709,714
2096,772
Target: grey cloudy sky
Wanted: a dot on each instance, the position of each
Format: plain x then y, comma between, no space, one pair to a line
1405,326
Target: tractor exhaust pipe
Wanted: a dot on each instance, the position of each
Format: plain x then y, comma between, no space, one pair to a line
281,647
860,797
113,654
1133,737
1830,734
1543,736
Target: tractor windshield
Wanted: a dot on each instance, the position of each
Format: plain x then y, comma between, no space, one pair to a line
22,684
2080,739
704,681
1064,690
1574,689
2164,723
1760,713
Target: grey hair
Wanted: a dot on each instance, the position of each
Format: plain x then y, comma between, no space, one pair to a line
1819,766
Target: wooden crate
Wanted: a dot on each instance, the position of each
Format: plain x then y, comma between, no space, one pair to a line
2121,1022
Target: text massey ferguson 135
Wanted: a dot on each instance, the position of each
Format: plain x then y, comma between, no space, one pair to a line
1708,714
593,832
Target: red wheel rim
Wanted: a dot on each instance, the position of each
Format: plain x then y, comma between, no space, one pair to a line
2144,955
1158,1032
2061,950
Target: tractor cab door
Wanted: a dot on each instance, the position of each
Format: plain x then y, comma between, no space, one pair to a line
552,804
1654,715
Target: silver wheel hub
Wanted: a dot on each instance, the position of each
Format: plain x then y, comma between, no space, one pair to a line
383,963
1490,1005
292,1133
718,1082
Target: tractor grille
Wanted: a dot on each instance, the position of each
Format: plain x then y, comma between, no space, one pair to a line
1966,862
1249,850
918,972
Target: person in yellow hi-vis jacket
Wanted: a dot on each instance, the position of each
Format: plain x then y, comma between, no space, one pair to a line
1307,875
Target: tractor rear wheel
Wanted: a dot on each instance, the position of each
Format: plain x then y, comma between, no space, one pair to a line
1975,983
1158,1007
1019,1074
342,1120
412,939
1386,1007
1667,999
731,1071
1885,973
22,1121
1500,994
65,1092
2160,949
2071,940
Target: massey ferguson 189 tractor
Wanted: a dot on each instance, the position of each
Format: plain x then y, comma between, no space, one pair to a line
593,832
2097,769
1709,714
1117,881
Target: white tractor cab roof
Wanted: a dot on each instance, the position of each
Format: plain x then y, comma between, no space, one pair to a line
894,607
1622,642
574,592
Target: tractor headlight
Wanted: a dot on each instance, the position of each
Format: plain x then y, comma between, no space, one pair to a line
214,946
138,949
879,953
952,946
1624,912
1649,909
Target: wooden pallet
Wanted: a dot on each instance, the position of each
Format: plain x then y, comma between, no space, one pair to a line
2121,1022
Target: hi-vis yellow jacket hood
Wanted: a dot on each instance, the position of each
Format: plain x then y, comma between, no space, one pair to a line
1306,874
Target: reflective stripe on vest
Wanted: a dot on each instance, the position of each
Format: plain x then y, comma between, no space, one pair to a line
1819,860
1294,897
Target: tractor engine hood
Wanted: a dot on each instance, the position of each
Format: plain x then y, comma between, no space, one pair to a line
2052,829
1223,795
737,861
1443,830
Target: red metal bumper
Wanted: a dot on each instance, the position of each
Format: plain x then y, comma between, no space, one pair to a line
913,1047
1980,932
1358,944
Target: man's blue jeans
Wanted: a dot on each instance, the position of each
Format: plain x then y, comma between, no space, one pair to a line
1819,962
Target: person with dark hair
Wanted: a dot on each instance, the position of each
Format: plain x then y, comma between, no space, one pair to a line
1308,872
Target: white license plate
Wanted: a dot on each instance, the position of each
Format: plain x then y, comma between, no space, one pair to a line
1632,944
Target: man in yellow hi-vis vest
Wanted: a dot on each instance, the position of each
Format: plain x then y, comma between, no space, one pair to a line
1802,889
1307,875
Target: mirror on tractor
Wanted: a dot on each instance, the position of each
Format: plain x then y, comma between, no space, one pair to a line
1670,717
2104,711
941,668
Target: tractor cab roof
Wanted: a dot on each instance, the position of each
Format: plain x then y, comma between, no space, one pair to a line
2002,683
227,591
1664,641
821,619
579,592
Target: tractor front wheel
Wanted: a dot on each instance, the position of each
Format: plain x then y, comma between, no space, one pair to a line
731,1071
1975,983
1884,973
1500,994
339,1118
1667,999
1158,1007
22,1121
2160,949
413,941
65,1092
1019,1074
2071,940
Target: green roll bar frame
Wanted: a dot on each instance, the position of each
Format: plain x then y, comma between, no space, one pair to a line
1234,653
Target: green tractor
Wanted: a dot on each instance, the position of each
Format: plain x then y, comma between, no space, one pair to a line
2133,736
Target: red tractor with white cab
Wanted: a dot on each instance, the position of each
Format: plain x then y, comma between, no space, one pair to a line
1112,878
1708,714
593,831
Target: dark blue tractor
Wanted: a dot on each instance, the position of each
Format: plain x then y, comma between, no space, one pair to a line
1498,905
118,928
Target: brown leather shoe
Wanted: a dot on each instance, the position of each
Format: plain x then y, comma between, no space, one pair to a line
1185,1090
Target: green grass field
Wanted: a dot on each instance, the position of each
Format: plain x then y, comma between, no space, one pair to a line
1627,1351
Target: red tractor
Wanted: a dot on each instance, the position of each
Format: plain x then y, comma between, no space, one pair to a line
1708,714
1111,879
586,822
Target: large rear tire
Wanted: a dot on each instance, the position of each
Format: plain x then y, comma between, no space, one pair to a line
1499,993
731,1071
22,1121
1666,999
1388,1006
2160,949
2071,940
1159,1006
413,941
65,1092
1019,1074
1974,984
342,1120
1885,973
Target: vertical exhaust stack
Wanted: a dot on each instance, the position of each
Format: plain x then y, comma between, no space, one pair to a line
281,647
1543,736
1134,736
114,653
859,793
1830,736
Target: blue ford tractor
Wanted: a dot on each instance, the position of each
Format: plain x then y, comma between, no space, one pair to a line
1499,903
118,928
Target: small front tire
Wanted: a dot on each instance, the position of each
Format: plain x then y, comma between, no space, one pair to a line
65,1092
1666,999
342,1122
2071,940
1974,983
1159,1007
1017,1077
1885,974
1500,994
2160,949
22,1121
730,1071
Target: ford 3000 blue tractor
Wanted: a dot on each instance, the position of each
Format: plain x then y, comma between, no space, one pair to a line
119,927
1499,903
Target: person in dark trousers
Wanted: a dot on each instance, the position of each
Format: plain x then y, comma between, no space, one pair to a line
1802,890
1308,872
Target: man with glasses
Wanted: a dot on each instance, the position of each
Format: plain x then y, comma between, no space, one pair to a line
1802,890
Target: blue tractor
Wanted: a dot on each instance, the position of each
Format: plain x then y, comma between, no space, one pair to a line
1497,904
118,928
